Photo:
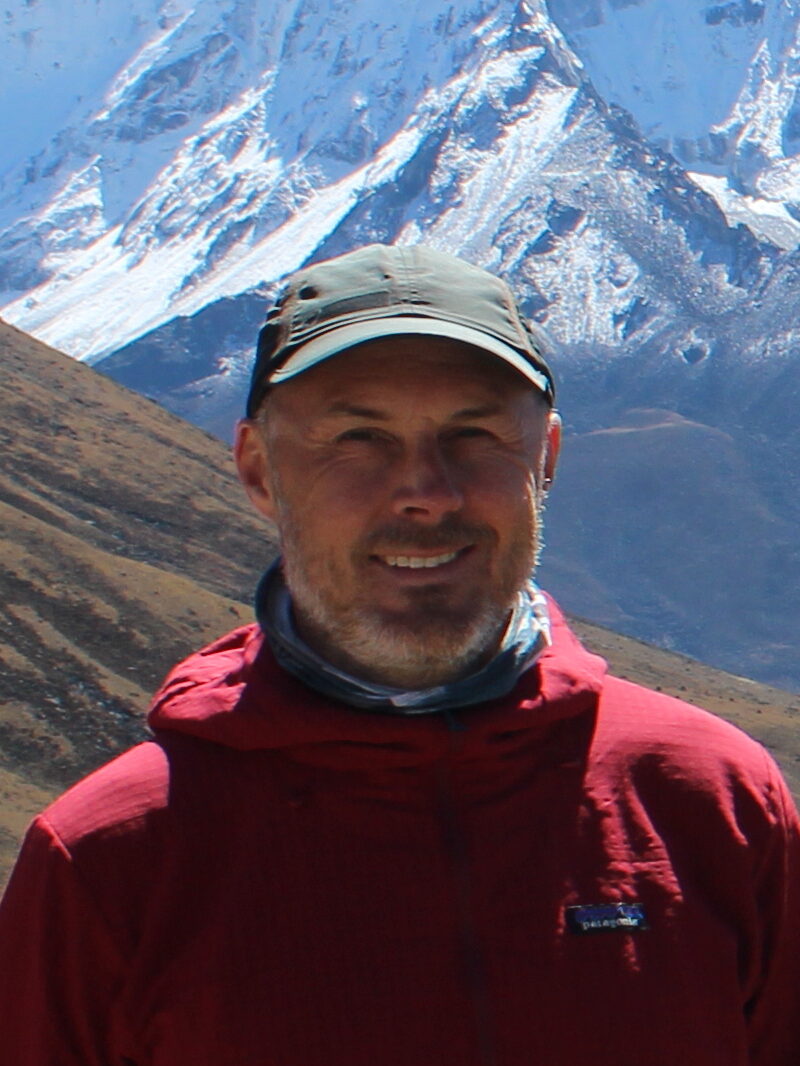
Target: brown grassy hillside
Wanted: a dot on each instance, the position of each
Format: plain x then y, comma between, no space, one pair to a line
127,542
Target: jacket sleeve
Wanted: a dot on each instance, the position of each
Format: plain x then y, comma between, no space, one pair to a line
60,969
774,1010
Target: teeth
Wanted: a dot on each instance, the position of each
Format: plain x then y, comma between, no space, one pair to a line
417,562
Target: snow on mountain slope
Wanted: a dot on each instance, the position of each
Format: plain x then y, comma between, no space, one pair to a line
713,83
770,220
232,121
89,173
678,68
236,135
52,66
310,112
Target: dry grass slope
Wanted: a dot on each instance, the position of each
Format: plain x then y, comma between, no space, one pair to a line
127,542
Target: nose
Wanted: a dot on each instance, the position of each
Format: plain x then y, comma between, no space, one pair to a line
427,487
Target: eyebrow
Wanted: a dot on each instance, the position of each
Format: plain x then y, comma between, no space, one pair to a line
373,414
486,411
356,411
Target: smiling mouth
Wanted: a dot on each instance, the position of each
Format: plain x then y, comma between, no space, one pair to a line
418,562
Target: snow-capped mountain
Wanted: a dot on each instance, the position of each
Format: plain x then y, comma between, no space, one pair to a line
239,134
148,214
237,137
715,84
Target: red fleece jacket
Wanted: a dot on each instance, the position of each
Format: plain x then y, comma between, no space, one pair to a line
278,880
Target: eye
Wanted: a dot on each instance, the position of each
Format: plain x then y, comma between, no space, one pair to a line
468,432
363,434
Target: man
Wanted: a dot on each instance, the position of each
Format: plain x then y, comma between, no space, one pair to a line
406,819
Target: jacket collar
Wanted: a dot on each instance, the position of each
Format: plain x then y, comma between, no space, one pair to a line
234,693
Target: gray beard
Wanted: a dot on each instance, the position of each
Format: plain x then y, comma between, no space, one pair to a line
528,634
372,646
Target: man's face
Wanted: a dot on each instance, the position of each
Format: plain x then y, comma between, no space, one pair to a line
404,477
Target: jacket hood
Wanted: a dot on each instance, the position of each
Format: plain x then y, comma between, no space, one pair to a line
234,693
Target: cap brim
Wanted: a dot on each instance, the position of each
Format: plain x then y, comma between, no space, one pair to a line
338,340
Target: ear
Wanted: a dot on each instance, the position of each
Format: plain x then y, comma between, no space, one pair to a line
552,448
252,461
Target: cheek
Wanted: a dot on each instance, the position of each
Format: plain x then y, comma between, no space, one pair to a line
515,517
504,487
326,515
346,491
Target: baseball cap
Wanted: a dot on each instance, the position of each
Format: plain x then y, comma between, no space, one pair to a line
383,291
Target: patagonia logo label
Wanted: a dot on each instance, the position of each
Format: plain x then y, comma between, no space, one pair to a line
606,918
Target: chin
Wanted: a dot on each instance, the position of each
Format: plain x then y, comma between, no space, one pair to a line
420,656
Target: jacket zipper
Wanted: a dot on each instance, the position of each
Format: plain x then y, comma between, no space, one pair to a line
473,959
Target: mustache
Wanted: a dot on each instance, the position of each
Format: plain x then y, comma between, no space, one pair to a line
450,535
